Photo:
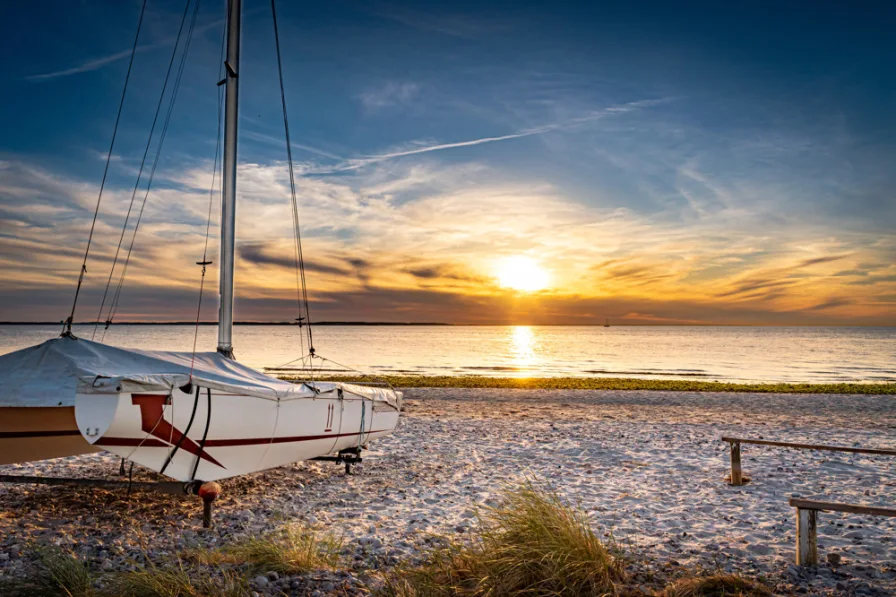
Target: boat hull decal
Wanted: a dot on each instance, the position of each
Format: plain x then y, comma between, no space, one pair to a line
152,420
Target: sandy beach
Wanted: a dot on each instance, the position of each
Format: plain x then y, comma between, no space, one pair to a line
648,467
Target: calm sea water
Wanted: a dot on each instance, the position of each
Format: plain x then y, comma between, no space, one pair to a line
710,353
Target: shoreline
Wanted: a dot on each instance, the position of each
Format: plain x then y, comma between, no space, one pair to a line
607,384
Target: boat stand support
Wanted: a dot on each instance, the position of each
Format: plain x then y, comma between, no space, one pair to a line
208,492
349,457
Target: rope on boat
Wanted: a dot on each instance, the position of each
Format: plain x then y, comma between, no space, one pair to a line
311,357
67,329
363,411
148,435
184,434
208,423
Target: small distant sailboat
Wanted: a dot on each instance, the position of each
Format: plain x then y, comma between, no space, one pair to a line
190,416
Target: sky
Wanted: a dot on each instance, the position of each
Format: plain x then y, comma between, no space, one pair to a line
652,162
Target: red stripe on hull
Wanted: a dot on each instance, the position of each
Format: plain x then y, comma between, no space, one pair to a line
131,441
249,441
221,443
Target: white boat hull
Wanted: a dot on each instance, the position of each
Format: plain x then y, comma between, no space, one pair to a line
213,435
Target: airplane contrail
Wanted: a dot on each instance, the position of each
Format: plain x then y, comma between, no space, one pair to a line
355,163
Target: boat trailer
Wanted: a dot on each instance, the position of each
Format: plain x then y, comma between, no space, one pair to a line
349,457
207,491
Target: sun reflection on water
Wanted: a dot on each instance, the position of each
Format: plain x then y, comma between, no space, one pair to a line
522,344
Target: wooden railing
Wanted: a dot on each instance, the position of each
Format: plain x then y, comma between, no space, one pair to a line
807,524
807,510
735,442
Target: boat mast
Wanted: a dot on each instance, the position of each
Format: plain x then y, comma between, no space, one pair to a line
228,203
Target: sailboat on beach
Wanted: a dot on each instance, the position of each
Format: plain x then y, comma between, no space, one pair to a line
188,415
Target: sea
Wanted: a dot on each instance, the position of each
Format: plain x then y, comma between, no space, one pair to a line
736,354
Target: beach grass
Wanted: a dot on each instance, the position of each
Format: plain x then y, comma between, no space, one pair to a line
716,585
177,581
294,549
55,572
531,543
59,573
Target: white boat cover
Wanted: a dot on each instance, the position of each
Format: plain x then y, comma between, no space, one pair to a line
50,374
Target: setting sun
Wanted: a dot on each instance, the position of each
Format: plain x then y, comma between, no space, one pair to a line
522,273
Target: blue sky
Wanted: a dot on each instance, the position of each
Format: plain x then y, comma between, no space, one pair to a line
663,162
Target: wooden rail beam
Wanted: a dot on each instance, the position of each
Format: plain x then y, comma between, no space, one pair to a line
737,473
765,442
838,507
807,524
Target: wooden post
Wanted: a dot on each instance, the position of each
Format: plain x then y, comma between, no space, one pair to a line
806,537
207,506
736,472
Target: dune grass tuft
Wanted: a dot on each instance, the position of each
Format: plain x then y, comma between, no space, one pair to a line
717,585
291,550
55,572
531,544
177,581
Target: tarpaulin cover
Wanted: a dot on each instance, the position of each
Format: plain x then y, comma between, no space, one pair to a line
50,374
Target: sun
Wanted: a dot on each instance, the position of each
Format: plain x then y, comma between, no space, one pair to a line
522,273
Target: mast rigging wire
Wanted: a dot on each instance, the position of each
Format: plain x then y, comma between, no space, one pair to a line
211,194
113,308
301,286
67,329
152,129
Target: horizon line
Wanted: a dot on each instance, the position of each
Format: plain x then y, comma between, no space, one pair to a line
445,324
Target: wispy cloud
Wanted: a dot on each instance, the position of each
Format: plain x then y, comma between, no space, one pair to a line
424,237
271,253
454,25
98,63
280,142
391,94
88,66
360,162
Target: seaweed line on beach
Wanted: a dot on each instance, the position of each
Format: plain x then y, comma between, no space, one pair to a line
610,383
